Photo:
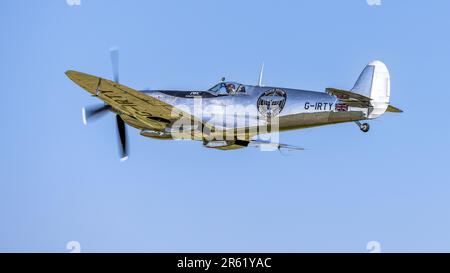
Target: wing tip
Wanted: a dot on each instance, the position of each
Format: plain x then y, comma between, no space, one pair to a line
74,75
70,73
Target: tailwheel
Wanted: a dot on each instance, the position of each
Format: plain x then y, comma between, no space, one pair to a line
363,126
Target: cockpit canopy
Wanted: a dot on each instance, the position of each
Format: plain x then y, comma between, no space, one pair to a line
228,88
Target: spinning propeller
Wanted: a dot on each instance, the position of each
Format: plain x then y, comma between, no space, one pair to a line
95,112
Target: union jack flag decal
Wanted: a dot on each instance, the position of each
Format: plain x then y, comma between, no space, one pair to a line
341,107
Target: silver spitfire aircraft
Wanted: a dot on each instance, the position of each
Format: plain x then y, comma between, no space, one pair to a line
231,115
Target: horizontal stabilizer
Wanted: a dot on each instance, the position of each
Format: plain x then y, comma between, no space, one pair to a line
393,109
350,98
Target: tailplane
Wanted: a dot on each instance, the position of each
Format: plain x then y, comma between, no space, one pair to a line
372,90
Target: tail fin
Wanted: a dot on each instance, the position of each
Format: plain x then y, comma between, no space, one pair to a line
374,83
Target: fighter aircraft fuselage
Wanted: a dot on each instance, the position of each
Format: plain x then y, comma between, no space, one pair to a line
295,108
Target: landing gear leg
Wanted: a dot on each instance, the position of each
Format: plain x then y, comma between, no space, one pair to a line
363,126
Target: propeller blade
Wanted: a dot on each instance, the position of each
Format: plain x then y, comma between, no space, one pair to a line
123,146
114,51
92,113
261,72
121,128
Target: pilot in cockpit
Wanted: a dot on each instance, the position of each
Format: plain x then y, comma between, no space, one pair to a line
231,89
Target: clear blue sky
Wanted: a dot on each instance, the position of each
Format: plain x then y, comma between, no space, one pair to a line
61,181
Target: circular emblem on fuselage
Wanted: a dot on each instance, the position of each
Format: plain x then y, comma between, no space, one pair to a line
271,102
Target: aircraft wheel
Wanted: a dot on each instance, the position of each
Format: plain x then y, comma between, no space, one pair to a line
365,127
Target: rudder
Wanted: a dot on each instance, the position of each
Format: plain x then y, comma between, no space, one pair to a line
374,82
